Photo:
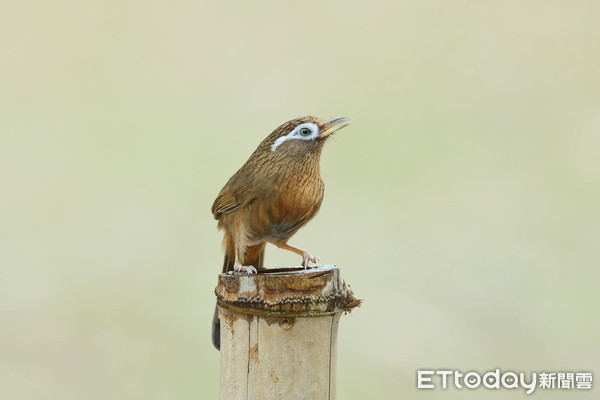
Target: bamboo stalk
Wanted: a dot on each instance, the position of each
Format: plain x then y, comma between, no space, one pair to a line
279,333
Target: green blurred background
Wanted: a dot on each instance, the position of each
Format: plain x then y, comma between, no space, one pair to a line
462,204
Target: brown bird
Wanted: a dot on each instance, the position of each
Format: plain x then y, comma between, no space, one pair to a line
276,192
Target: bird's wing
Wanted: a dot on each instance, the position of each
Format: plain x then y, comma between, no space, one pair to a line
230,200
225,202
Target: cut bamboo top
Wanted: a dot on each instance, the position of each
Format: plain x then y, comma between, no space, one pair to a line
286,291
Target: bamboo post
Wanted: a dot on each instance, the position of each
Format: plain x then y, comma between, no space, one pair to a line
279,332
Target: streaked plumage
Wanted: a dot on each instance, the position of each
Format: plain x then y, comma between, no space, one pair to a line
277,191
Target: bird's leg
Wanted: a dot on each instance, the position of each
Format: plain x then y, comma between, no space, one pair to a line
306,256
240,250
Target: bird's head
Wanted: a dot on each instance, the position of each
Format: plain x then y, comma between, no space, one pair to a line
302,136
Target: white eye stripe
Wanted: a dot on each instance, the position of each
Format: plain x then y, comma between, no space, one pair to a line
295,134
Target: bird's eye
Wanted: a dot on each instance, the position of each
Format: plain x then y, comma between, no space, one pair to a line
305,132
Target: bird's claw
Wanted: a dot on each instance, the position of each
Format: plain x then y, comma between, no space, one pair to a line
249,269
307,257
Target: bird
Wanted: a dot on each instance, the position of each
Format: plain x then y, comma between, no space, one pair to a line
276,192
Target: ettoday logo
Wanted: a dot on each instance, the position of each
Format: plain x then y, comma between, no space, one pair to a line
508,380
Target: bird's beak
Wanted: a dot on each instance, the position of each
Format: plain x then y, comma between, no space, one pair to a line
333,126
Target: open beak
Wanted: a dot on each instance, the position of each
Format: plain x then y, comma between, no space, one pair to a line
334,125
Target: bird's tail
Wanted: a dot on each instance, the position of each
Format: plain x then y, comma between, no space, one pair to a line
254,256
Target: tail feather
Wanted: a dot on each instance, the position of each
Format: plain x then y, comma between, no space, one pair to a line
258,255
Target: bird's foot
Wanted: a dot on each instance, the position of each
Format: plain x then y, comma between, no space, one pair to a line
307,257
249,269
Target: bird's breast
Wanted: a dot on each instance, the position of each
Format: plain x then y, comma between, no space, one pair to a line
285,207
